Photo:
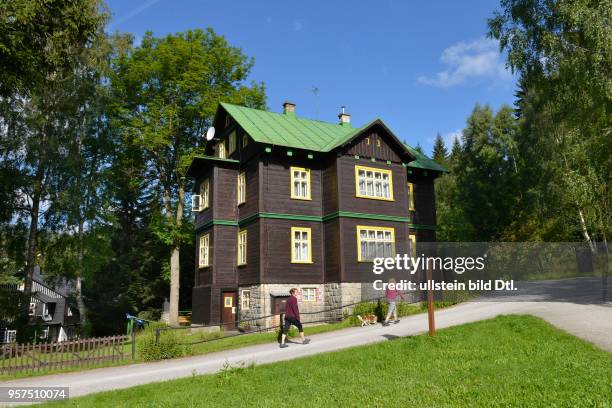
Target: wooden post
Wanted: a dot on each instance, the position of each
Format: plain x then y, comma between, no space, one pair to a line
133,345
430,304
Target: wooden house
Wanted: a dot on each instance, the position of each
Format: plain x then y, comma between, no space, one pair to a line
282,201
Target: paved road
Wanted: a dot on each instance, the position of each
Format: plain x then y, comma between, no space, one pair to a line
588,319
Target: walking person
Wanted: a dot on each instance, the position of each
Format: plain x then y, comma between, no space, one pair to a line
292,317
391,295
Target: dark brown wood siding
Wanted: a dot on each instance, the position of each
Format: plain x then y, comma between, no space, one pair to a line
249,274
223,247
332,250
277,187
224,194
424,199
200,310
349,201
375,143
329,179
277,251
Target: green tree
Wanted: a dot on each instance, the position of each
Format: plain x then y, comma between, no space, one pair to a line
168,89
40,38
440,152
563,52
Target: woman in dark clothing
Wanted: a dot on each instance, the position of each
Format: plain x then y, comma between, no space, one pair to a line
292,317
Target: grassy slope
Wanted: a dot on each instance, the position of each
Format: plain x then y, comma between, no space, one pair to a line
508,361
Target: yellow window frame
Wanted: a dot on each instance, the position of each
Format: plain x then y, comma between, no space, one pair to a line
308,193
201,262
226,303
374,169
309,235
412,238
314,299
221,151
245,140
240,261
204,198
242,299
232,142
374,228
411,196
241,182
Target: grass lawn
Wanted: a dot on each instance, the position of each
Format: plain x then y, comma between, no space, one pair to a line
508,361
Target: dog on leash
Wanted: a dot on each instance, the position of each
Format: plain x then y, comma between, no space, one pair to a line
367,319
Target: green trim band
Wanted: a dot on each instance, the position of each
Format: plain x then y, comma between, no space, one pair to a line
365,216
315,218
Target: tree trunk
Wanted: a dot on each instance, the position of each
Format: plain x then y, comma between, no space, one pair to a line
585,231
175,267
79,281
32,235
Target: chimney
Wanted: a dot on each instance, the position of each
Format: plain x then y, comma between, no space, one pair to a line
289,108
345,118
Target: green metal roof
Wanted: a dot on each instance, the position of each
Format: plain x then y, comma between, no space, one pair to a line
291,131
423,162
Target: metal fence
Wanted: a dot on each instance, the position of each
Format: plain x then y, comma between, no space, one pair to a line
271,322
84,353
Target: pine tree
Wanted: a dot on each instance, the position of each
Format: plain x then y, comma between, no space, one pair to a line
440,152
418,148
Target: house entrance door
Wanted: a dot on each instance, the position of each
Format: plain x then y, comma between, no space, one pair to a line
228,309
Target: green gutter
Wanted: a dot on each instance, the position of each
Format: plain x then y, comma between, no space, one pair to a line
314,218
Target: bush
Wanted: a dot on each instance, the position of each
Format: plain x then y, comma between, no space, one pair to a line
171,344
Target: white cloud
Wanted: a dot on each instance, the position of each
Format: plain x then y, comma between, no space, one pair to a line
449,138
480,58
133,13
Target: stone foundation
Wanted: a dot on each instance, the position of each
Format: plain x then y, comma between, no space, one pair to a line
328,296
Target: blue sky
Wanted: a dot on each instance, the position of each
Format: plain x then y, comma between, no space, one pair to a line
419,66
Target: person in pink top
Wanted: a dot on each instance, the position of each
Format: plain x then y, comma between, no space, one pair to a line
391,294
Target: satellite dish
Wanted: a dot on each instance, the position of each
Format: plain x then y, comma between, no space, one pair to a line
210,133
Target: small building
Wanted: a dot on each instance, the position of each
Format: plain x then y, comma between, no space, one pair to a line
50,309
282,201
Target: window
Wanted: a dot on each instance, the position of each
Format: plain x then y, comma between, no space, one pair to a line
373,183
228,301
375,242
245,140
242,247
69,312
411,196
241,188
300,183
221,150
309,294
378,142
204,251
10,336
204,194
232,142
32,310
413,249
300,245
245,300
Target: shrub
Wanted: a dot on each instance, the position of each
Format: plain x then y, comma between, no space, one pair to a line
171,344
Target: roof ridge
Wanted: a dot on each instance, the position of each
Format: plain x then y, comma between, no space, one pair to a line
280,114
